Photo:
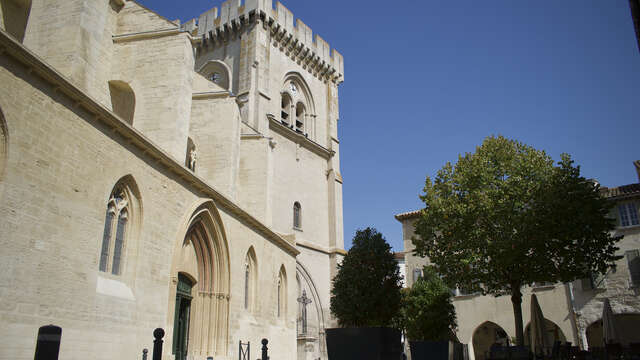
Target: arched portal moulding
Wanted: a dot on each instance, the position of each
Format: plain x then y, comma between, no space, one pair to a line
201,252
305,278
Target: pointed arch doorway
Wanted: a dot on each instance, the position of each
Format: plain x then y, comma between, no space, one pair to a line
199,303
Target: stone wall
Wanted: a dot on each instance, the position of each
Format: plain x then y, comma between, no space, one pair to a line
68,151
215,131
160,72
615,285
62,167
75,37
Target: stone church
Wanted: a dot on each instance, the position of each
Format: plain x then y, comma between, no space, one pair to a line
158,174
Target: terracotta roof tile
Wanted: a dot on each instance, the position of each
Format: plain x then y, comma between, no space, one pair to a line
408,215
621,191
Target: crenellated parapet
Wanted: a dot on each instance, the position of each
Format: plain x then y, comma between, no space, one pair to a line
292,37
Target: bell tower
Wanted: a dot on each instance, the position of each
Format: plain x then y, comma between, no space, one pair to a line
285,81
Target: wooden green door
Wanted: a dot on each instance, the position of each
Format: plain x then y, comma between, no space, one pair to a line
181,319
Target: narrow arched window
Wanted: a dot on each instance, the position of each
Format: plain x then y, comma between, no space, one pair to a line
115,230
119,243
300,117
282,292
285,108
250,279
192,155
297,215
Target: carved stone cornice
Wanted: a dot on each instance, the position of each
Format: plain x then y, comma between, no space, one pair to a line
299,138
147,35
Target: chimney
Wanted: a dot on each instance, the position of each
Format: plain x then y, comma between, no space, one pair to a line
637,164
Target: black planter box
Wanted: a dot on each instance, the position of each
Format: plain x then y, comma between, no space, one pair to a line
436,350
364,343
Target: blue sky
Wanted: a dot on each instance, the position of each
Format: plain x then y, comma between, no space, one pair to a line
428,80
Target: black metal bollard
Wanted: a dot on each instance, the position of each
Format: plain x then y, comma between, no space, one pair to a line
264,349
158,334
144,354
48,345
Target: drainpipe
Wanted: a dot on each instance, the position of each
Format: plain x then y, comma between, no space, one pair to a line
574,316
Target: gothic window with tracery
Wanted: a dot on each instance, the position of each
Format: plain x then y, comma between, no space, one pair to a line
115,231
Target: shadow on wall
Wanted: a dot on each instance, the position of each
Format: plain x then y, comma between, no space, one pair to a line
123,100
15,15
628,325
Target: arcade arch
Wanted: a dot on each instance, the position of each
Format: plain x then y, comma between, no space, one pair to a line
485,335
315,321
552,331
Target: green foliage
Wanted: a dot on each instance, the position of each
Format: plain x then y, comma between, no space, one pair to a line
428,313
506,216
366,290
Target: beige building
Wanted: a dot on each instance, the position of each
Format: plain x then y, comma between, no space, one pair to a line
154,174
573,311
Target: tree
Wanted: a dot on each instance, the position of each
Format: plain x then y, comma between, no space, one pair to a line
366,290
505,217
428,313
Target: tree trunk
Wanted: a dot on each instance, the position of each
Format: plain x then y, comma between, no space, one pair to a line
516,301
